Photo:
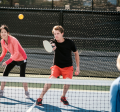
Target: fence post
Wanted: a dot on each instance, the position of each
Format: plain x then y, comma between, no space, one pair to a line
61,18
11,5
52,4
92,5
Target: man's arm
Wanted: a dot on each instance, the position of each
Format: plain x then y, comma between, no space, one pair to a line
118,62
77,62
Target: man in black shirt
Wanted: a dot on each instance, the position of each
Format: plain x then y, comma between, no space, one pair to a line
62,64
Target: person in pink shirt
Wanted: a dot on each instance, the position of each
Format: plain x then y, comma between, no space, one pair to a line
18,56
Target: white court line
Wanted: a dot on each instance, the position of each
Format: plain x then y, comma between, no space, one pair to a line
56,89
30,109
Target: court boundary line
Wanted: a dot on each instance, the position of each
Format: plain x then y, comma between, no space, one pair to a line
62,90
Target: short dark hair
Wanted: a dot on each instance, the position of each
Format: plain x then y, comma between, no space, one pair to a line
4,27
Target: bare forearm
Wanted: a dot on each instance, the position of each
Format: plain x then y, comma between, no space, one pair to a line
77,59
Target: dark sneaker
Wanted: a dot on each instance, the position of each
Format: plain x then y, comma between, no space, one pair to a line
64,101
39,102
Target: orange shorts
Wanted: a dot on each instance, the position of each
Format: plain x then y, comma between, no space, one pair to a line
66,72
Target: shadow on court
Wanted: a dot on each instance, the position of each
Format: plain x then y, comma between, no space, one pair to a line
15,102
77,109
46,107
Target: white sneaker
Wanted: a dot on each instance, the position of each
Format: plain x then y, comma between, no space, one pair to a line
1,93
27,94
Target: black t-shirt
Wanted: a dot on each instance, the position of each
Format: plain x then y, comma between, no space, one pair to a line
63,53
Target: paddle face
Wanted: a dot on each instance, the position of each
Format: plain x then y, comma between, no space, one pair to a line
47,46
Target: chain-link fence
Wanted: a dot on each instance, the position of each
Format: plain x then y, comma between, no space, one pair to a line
96,35
96,5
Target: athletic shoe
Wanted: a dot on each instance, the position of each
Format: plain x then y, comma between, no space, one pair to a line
1,93
39,102
64,101
27,94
